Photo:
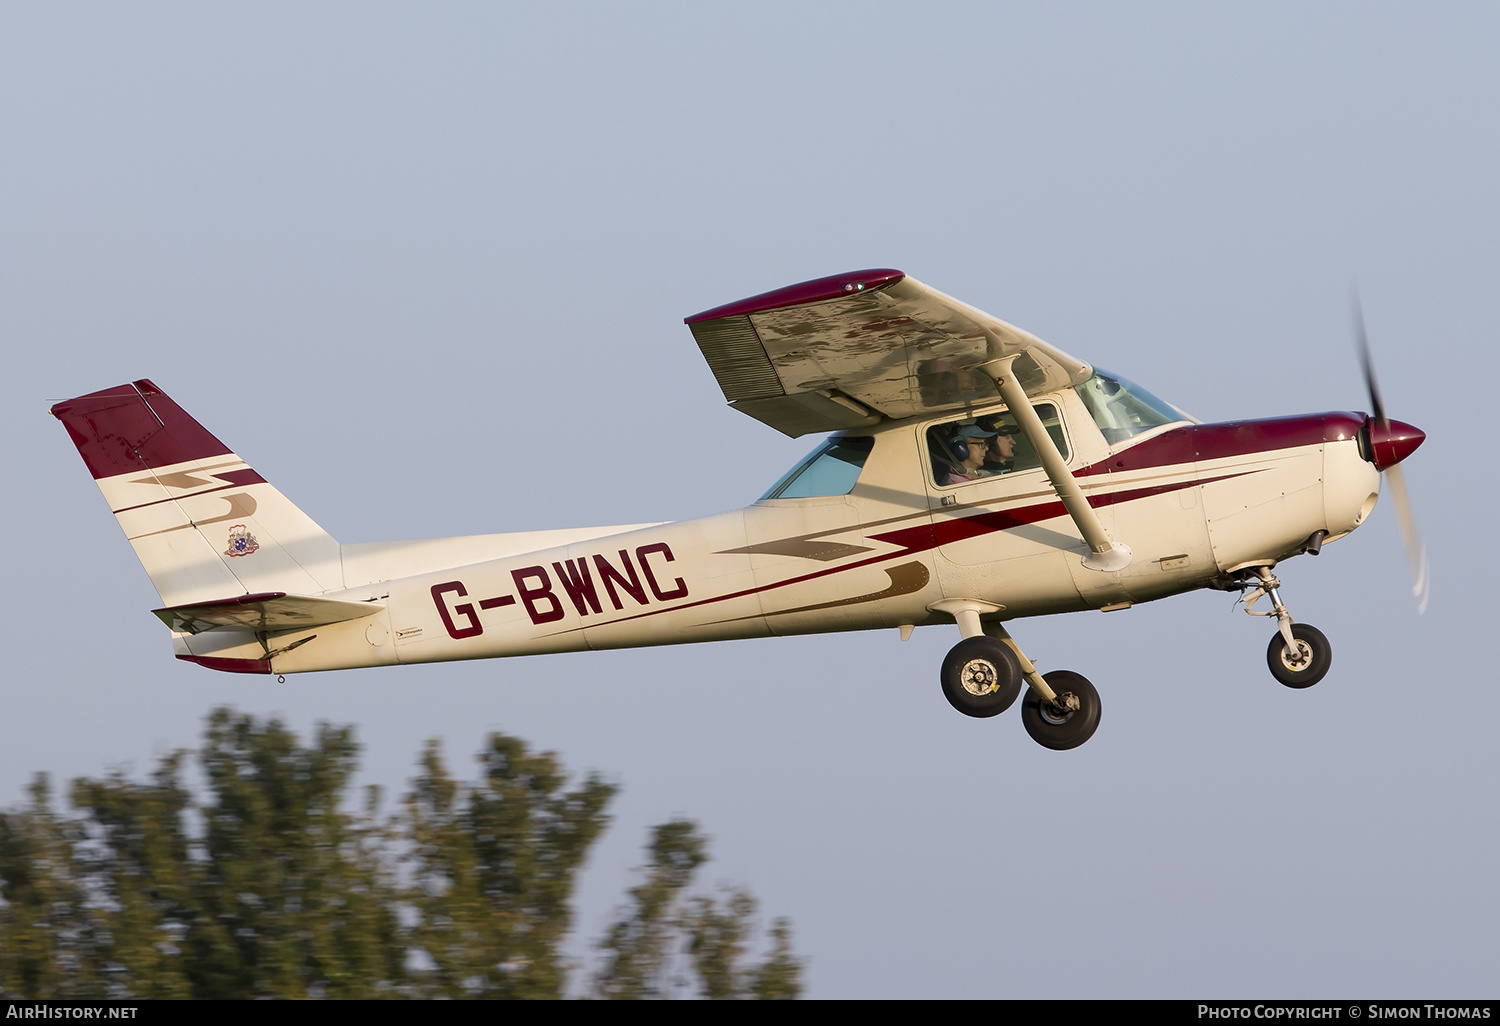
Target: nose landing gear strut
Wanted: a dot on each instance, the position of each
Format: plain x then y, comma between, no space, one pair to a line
1299,655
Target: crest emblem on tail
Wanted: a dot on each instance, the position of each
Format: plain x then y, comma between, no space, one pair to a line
241,541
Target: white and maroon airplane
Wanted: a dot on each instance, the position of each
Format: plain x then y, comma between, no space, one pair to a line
974,475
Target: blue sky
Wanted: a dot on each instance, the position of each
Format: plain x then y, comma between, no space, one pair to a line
393,255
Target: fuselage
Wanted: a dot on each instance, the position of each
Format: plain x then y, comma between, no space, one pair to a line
1194,502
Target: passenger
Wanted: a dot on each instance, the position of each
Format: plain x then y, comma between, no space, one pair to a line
1001,457
975,442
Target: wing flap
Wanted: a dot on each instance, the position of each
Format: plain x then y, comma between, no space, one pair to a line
807,413
874,343
268,611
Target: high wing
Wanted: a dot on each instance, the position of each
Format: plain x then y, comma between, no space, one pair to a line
848,350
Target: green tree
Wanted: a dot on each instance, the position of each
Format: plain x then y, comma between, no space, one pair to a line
138,870
268,886
640,949
779,977
280,893
494,864
45,944
291,894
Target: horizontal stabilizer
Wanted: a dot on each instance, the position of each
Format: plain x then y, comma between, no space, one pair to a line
268,611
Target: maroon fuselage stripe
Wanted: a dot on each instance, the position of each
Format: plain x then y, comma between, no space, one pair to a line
925,536
1190,445
1199,443
946,532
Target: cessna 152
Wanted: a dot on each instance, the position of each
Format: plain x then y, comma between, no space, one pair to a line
974,475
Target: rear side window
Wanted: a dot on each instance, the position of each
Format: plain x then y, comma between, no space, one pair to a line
830,469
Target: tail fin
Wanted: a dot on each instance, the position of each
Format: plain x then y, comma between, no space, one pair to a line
204,525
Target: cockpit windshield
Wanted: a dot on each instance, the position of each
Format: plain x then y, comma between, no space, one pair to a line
830,469
1123,409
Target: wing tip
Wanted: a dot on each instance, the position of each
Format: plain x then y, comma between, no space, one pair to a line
813,291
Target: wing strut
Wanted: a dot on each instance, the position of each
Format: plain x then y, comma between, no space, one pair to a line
1104,555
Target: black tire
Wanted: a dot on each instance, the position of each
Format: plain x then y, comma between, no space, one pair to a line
1056,730
1312,642
981,677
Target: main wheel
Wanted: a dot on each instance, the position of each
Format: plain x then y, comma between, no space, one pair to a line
1314,657
1059,728
981,677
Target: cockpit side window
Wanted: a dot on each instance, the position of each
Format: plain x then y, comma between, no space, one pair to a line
987,446
1123,409
830,469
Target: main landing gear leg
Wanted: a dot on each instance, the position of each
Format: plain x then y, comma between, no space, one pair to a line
982,677
996,630
1299,655
1060,710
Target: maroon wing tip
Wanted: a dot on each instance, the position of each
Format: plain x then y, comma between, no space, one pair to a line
813,291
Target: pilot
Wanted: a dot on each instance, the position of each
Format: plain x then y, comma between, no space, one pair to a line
1000,459
974,441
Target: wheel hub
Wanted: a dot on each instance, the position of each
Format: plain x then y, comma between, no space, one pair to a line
1061,710
979,677
1298,659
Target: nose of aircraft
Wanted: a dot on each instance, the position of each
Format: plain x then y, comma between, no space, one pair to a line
1392,441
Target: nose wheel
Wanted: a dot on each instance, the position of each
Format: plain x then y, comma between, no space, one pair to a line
1305,665
1299,655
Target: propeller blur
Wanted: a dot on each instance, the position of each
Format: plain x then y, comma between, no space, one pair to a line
1391,442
